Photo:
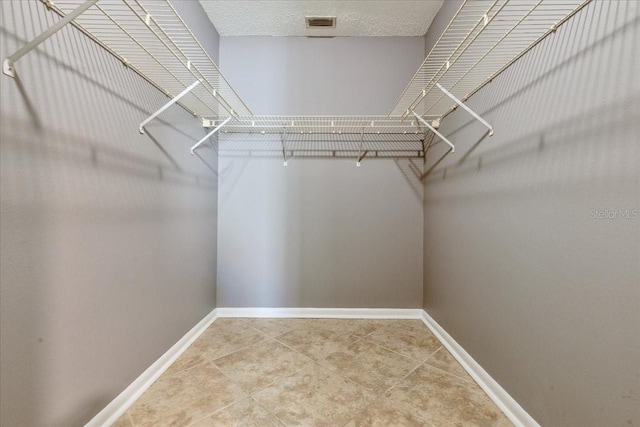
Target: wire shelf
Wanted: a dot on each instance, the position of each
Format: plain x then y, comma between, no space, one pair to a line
483,38
298,145
331,125
150,37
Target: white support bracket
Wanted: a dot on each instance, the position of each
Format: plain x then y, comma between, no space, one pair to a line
434,130
467,109
360,155
284,148
7,64
216,129
168,104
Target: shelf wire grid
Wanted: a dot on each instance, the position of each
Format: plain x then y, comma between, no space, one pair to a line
150,37
336,125
323,136
483,38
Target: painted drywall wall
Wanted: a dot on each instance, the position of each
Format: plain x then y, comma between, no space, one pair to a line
320,232
299,75
108,237
532,239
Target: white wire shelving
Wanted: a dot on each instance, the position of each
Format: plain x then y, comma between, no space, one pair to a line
335,125
150,37
328,136
482,40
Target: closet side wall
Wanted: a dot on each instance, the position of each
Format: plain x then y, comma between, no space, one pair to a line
532,236
108,248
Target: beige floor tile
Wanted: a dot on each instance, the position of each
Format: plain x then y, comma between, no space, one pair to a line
316,343
186,396
246,413
232,322
123,421
261,364
370,365
314,396
442,399
273,327
408,338
356,327
219,340
383,414
442,359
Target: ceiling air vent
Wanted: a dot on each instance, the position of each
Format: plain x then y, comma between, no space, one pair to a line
320,21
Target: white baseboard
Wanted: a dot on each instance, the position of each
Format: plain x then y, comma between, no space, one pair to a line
124,400
500,397
338,313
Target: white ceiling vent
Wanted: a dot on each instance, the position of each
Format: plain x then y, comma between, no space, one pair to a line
320,21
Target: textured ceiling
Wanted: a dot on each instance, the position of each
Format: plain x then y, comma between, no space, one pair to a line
354,17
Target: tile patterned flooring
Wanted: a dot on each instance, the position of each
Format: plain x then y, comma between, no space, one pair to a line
315,372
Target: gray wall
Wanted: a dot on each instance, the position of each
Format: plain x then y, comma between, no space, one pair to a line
108,249
320,232
517,269
299,75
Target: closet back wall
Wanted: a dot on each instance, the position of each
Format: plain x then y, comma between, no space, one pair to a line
108,249
320,232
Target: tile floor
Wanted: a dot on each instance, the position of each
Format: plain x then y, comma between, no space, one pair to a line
315,372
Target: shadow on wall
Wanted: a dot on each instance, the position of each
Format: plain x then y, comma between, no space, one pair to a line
89,207
239,149
574,86
518,269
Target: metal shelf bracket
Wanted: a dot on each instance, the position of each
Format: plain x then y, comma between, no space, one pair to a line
168,104
467,109
284,148
360,155
216,129
434,130
7,64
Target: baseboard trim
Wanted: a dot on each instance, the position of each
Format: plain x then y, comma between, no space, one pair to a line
507,404
124,400
338,313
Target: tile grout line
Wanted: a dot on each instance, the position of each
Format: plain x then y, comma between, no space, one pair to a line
330,371
268,411
403,355
409,373
128,414
395,384
264,337
224,407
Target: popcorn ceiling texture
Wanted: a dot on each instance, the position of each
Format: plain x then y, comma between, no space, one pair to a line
354,17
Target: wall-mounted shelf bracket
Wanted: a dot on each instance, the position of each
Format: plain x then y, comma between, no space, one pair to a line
434,130
7,64
360,155
284,149
467,109
168,104
216,129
